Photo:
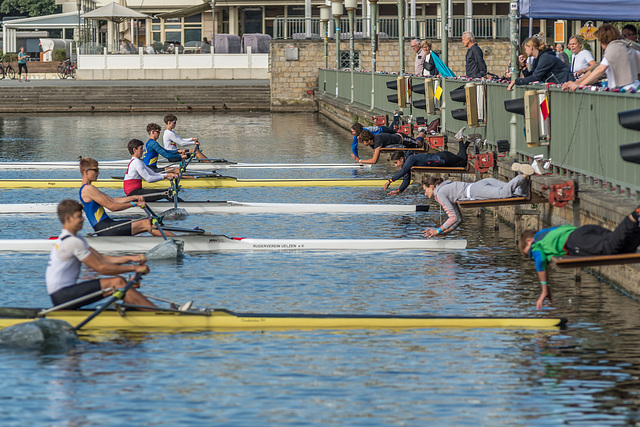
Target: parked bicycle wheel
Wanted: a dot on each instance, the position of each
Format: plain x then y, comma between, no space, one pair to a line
11,73
61,71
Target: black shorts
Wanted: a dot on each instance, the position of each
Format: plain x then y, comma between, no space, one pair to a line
21,67
76,291
118,230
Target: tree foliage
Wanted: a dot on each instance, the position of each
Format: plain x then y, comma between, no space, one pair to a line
28,7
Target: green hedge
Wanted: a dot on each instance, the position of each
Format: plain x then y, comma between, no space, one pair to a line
59,54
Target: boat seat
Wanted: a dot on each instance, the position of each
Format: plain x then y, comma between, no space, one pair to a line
589,261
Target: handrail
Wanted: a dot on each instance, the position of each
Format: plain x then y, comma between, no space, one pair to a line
484,27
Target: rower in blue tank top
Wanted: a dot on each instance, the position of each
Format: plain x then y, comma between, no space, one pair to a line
95,201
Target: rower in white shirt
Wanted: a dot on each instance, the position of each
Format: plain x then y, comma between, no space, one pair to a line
137,171
172,141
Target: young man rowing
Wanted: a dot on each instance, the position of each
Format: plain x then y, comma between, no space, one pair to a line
71,251
137,171
172,141
95,201
153,150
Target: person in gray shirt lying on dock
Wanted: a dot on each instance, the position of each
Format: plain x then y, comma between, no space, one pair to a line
447,193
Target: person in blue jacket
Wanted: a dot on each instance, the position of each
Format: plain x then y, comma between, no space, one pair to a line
547,67
153,149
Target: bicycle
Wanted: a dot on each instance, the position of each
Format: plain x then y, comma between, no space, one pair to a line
66,69
7,70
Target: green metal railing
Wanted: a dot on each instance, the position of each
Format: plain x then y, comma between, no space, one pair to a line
484,27
584,129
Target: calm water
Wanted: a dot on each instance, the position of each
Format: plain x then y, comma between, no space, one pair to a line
584,375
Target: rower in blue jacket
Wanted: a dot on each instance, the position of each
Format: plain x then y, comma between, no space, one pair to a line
405,161
153,149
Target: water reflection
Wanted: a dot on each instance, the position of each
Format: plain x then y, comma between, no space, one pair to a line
586,374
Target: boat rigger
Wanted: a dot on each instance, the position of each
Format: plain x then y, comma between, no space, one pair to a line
206,207
205,243
169,320
207,182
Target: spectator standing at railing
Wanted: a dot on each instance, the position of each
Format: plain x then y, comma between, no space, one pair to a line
417,48
205,47
428,64
621,63
582,60
475,65
22,64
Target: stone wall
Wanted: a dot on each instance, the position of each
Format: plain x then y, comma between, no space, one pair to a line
292,82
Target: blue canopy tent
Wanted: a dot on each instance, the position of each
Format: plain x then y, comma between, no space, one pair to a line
601,10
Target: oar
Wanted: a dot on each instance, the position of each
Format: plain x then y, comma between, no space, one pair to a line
119,294
170,248
155,220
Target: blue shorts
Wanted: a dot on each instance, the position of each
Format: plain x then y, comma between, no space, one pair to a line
76,291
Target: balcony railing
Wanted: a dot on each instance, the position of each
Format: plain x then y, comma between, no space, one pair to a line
483,27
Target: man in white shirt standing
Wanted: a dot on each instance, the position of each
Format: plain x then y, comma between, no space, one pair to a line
417,48
71,251
172,141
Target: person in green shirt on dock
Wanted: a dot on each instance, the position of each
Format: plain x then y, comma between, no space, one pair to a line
588,240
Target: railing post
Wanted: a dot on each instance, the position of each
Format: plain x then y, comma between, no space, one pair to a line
444,33
513,36
374,47
401,34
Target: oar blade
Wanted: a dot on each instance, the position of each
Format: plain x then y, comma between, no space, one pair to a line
171,248
175,214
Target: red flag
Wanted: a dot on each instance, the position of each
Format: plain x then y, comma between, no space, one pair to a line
544,109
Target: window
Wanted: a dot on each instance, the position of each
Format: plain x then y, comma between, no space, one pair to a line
345,62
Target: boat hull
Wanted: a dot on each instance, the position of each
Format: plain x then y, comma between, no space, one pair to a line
214,182
205,243
231,207
224,320
197,166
